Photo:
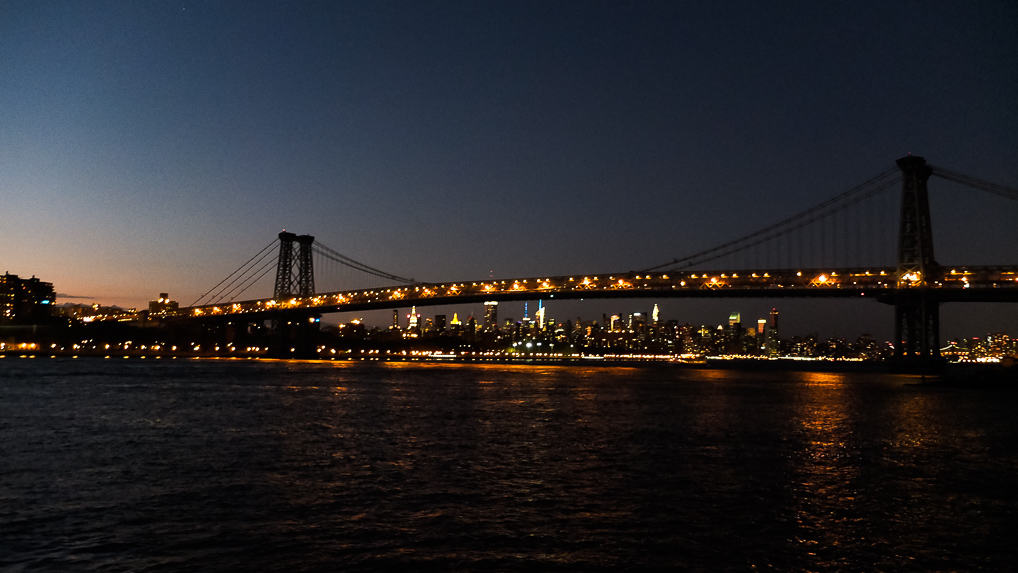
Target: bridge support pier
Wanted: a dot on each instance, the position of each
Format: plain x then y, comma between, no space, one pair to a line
916,310
295,338
916,328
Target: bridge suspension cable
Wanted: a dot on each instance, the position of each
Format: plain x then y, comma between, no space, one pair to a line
335,256
868,188
243,270
254,277
976,183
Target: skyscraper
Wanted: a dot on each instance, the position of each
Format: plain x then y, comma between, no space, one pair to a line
761,334
733,334
773,339
491,315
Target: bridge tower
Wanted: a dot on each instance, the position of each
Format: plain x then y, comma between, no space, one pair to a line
294,277
305,266
916,310
284,267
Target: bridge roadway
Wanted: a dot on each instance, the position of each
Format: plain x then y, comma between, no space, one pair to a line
958,284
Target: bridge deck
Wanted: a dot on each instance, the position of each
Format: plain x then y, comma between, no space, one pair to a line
974,284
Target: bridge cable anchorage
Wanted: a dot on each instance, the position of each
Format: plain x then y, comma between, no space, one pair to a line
975,183
335,256
868,188
235,271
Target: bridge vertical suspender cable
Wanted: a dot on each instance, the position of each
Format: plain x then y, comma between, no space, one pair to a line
870,187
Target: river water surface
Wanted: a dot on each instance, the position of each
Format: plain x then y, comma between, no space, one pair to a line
142,465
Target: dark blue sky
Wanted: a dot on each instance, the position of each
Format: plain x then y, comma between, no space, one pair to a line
154,146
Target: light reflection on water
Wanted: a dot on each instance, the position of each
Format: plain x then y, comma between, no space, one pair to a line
323,465
827,472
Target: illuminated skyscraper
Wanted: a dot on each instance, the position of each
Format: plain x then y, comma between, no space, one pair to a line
773,339
491,315
637,322
761,334
734,334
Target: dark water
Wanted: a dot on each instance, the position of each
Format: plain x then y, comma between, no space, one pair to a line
214,466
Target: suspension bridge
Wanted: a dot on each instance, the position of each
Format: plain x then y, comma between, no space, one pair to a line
807,254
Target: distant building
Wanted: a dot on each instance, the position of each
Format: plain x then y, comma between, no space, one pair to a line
761,335
773,340
88,312
733,334
637,322
491,315
163,305
25,301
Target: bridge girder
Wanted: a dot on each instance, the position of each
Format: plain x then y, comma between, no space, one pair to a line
974,284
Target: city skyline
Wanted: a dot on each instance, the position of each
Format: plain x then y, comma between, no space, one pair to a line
798,319
159,146
643,335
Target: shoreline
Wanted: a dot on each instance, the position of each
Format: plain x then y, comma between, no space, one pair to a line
944,373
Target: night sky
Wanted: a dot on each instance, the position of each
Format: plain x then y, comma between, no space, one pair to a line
154,146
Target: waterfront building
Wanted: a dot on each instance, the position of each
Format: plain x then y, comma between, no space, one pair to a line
162,306
25,301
